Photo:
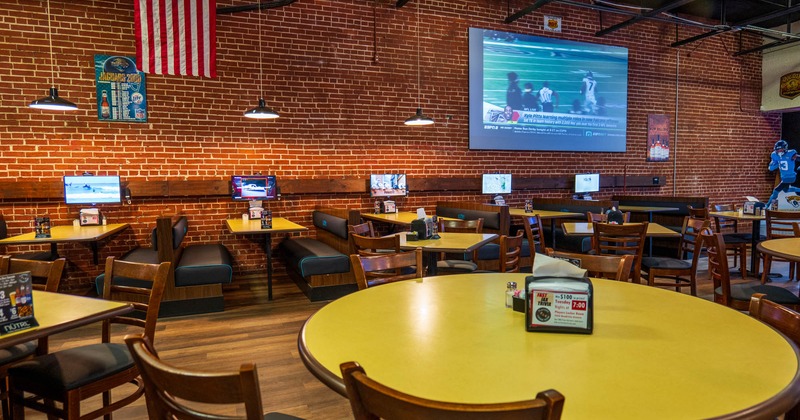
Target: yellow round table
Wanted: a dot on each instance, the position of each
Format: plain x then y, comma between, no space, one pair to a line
787,248
654,353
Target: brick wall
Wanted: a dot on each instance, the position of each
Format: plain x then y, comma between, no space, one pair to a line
343,92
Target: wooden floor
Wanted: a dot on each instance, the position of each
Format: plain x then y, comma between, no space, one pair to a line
253,329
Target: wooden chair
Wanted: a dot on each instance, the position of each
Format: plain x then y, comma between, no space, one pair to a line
510,251
735,242
698,213
363,229
614,267
678,268
603,218
388,265
796,228
627,239
738,295
779,225
534,236
371,400
72,375
169,388
368,245
782,319
450,263
51,272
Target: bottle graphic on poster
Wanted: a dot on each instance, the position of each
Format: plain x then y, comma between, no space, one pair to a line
105,108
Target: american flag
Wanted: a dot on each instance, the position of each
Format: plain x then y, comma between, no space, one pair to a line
176,37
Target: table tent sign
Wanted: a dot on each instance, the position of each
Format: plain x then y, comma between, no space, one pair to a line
559,297
16,303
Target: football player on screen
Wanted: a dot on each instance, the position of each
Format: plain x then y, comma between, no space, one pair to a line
783,159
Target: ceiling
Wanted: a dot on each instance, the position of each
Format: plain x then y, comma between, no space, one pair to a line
769,18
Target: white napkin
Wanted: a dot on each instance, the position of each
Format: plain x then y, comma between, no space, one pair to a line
544,266
421,213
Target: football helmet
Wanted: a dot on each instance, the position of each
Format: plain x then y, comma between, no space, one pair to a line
781,144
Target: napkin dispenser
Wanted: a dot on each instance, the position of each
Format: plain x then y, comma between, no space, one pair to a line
90,217
559,304
420,228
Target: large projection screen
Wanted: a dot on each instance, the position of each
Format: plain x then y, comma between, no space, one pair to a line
509,78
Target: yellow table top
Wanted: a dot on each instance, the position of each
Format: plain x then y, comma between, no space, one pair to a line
654,353
56,312
545,214
735,215
654,230
279,224
403,218
646,209
449,242
69,234
788,248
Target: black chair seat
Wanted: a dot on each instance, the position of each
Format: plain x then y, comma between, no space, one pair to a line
744,291
11,354
72,368
736,238
665,263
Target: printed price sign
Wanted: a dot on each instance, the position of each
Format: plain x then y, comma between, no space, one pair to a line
16,303
551,308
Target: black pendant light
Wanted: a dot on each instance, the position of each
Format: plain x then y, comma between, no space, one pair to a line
419,118
52,101
261,111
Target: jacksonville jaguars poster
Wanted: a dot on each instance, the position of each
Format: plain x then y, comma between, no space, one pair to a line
120,89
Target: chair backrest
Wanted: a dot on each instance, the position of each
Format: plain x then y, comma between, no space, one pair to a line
386,267
690,243
168,388
372,400
698,212
366,245
49,271
533,232
510,252
796,228
718,269
144,300
721,223
779,223
4,261
620,240
363,229
781,318
603,217
461,226
615,267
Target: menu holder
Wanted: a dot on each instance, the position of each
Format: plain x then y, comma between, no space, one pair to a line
559,304
42,227
16,303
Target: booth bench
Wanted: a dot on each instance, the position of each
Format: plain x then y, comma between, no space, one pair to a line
321,267
196,275
670,219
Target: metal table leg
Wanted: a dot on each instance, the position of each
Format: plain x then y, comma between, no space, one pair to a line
268,250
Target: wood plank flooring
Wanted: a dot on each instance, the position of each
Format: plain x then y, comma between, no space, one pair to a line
253,329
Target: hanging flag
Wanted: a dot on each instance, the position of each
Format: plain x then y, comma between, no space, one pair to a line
176,37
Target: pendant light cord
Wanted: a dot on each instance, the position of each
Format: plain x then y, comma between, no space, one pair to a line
50,40
419,87
260,55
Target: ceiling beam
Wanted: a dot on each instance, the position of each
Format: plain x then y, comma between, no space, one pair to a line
256,6
631,21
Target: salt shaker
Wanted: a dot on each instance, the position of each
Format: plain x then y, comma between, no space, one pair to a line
511,287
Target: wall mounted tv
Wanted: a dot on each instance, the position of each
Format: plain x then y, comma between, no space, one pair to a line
496,184
587,183
387,185
89,189
534,93
254,187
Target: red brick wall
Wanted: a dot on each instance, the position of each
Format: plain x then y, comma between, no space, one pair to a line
342,99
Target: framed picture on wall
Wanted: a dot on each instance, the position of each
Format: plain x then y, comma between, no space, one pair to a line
657,138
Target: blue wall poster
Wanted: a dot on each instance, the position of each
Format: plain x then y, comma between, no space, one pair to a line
120,89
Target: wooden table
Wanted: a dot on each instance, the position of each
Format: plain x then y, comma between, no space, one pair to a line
756,234
57,312
401,218
253,227
654,230
454,242
646,209
91,234
786,248
551,215
451,338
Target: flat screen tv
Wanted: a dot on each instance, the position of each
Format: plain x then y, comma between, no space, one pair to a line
496,184
387,185
90,189
533,93
254,187
587,183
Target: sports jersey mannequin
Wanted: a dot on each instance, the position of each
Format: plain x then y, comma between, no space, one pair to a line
783,159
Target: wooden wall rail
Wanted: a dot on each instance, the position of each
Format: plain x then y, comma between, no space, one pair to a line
54,189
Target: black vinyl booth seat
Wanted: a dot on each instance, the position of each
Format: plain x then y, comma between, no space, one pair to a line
311,257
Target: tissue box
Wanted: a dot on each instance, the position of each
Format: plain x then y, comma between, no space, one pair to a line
559,304
519,304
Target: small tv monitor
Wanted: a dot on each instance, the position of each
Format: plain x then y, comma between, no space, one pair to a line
92,189
254,187
587,183
496,184
387,185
